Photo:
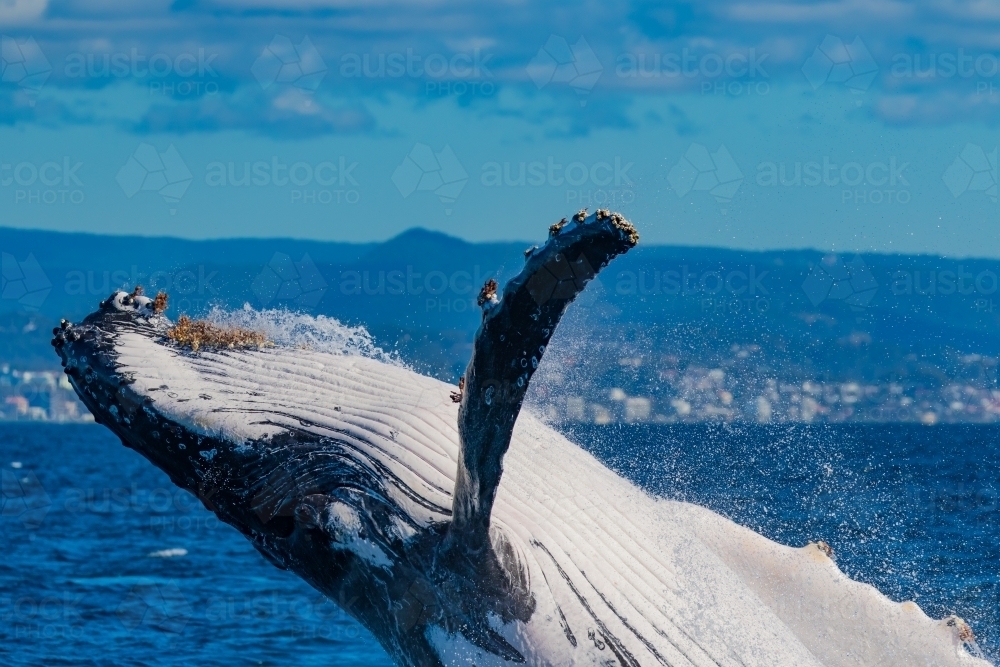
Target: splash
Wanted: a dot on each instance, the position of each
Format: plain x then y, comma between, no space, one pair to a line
287,328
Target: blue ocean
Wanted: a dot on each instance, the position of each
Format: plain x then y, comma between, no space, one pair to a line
105,562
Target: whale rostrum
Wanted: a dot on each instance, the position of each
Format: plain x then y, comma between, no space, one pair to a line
472,533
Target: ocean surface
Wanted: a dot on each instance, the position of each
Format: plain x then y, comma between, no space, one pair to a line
105,562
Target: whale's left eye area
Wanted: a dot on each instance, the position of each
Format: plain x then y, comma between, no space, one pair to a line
343,523
344,526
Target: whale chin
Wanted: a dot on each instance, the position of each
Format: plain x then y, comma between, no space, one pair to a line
469,532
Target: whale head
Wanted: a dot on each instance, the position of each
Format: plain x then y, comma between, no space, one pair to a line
298,496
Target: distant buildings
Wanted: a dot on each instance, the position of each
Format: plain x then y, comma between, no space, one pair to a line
746,388
39,396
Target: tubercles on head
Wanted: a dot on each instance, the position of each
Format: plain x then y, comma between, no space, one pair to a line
133,301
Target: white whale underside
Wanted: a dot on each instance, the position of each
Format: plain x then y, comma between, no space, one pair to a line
675,583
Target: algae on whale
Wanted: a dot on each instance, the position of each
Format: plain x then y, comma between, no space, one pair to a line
475,534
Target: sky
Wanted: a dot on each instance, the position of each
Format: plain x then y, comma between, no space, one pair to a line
842,126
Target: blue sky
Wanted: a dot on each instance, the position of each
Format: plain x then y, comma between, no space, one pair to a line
844,126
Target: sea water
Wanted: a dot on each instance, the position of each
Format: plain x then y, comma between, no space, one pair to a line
106,562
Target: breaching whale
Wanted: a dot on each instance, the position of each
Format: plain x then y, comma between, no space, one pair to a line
458,529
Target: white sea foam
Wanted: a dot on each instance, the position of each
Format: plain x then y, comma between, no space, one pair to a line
168,553
292,329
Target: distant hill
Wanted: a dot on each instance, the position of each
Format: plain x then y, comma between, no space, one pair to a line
808,315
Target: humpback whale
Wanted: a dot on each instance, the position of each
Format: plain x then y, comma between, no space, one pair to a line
458,528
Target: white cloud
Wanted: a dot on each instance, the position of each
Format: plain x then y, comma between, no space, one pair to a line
821,12
14,12
285,5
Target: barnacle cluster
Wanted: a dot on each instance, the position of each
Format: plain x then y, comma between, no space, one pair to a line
619,221
196,334
160,302
488,293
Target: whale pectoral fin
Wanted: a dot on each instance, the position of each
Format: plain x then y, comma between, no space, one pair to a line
508,347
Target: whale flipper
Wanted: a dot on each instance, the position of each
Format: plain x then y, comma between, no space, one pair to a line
508,347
